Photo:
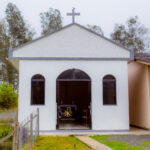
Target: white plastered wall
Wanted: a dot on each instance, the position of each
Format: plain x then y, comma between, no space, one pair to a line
103,117
73,41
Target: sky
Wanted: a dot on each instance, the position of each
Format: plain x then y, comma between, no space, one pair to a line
104,13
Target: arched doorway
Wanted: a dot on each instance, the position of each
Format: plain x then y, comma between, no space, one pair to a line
73,100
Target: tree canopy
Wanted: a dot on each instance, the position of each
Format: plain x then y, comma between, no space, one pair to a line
7,72
132,35
13,31
96,29
17,28
51,20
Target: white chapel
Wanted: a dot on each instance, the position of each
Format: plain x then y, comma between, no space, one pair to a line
77,78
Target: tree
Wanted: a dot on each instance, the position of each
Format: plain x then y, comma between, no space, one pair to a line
8,98
51,20
17,28
132,35
7,72
16,33
96,29
4,40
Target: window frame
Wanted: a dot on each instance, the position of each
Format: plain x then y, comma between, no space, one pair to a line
32,80
115,104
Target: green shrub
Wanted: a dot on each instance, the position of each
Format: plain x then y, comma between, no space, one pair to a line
8,98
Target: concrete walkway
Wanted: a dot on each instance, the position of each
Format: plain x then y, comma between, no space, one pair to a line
92,143
133,131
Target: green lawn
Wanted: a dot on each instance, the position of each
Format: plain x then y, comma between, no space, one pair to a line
120,145
59,143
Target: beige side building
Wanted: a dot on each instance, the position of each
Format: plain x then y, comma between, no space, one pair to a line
139,90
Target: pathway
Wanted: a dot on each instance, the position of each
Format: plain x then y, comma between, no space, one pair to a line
92,143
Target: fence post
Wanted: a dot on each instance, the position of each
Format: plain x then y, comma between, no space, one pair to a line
31,130
16,133
38,122
16,136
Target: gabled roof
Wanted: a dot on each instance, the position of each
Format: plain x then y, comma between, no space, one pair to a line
48,34
11,51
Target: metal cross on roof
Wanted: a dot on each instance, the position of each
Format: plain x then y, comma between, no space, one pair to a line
73,14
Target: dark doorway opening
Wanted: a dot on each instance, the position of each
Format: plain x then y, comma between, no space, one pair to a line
73,100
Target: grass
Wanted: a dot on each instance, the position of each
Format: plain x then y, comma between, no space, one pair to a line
5,129
6,145
59,143
118,145
146,144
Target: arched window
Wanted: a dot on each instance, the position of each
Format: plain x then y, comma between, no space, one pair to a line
109,90
37,90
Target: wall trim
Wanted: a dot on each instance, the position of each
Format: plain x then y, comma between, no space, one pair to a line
68,58
83,130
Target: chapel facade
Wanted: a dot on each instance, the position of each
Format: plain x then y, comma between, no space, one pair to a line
77,78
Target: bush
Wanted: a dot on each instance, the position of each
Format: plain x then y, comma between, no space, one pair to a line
8,98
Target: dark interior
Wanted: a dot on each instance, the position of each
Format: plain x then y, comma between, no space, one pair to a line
73,100
109,90
37,90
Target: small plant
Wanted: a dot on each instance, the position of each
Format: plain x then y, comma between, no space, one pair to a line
5,129
8,98
68,112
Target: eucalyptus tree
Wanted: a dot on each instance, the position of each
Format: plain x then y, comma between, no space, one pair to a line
96,29
18,30
132,35
51,20
13,32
